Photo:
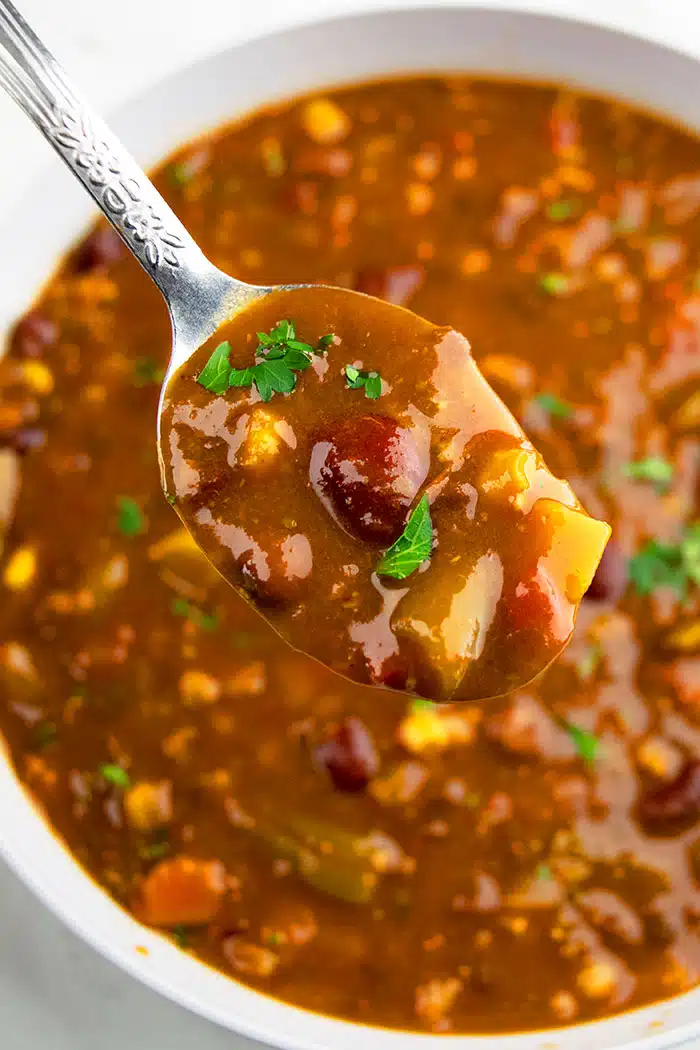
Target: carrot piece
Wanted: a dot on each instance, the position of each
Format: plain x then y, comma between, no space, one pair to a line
182,891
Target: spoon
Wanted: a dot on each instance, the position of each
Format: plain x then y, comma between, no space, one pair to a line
318,508
198,295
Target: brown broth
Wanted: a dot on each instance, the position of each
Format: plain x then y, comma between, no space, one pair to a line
510,865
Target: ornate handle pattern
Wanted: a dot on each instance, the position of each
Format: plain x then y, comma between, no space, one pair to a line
127,198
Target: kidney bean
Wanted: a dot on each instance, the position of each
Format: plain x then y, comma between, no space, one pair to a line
349,756
396,284
676,802
367,471
33,334
610,579
102,247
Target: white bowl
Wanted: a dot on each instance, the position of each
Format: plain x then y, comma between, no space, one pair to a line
201,97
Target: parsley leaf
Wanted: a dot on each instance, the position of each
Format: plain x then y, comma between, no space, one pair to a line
419,703
215,374
147,371
371,381
554,406
181,607
587,744
667,565
45,734
413,545
129,516
557,211
655,469
115,774
279,355
554,283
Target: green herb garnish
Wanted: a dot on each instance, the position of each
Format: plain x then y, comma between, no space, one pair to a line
587,744
181,936
413,545
667,565
129,516
147,371
115,774
557,211
278,357
181,607
554,283
419,703
554,406
45,734
172,500
371,381
654,469
543,872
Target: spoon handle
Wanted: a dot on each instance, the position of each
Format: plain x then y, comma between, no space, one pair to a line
190,283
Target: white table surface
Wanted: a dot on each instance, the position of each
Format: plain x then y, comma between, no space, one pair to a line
55,992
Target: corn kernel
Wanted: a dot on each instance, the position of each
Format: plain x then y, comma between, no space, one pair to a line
598,980
324,121
198,689
20,569
148,804
37,377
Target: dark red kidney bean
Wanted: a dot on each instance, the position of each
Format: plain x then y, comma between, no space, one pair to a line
674,803
367,471
610,580
33,334
349,756
277,570
396,284
102,247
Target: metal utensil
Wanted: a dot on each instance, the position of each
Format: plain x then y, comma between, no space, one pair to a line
199,296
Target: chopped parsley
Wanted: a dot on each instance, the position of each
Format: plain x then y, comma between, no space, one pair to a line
554,406
172,500
371,381
419,703
543,872
278,357
557,211
130,521
147,371
586,743
181,936
413,545
667,565
181,607
654,469
115,774
45,734
554,283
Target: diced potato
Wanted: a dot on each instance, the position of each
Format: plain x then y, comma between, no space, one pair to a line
251,959
182,891
401,785
21,569
598,979
436,998
324,121
178,552
445,619
199,689
250,680
149,804
575,538
426,729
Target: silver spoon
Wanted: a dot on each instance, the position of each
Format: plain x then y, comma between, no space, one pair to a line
199,296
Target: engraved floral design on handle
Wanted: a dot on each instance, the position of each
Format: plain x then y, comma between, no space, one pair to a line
73,134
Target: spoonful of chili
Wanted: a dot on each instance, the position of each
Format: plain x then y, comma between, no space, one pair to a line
341,461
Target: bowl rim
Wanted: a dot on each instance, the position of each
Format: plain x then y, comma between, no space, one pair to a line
144,953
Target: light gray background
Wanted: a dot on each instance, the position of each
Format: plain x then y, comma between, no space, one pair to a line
55,992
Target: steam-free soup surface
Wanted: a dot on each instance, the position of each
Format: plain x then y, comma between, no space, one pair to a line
421,545
520,863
